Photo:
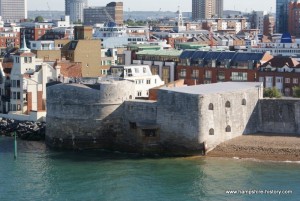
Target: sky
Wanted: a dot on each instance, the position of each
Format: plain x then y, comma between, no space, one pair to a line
156,5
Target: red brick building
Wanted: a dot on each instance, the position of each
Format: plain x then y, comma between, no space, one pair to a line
269,25
9,39
172,41
204,67
282,73
293,18
34,31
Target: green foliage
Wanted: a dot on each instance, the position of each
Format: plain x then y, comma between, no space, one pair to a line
39,19
296,92
130,22
272,93
78,22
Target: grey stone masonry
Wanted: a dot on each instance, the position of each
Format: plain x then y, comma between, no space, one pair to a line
106,116
279,116
80,117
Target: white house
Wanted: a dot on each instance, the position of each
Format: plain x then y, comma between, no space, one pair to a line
141,75
28,80
42,45
63,22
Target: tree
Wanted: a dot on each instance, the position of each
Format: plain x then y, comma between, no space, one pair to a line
272,93
131,22
296,92
39,19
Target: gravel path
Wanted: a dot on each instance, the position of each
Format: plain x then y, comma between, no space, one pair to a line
260,146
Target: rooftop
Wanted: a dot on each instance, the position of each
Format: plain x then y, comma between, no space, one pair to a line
221,55
222,87
143,45
281,62
160,52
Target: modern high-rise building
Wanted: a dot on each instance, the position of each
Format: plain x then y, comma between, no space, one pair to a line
269,25
74,9
257,20
13,10
282,15
113,12
219,8
206,9
67,7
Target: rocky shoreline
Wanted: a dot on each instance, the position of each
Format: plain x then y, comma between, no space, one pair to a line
260,146
26,130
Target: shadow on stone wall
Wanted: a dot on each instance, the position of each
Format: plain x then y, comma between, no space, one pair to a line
81,134
121,130
252,124
281,116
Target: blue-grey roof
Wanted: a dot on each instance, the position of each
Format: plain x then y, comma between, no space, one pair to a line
220,56
247,56
226,56
199,55
212,55
187,54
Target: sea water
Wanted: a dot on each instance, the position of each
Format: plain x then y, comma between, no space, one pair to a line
41,174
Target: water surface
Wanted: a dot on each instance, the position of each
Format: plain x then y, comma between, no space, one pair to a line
41,174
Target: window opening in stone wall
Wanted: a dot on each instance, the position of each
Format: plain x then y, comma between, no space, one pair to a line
211,131
227,104
244,102
149,132
228,129
130,97
132,125
211,106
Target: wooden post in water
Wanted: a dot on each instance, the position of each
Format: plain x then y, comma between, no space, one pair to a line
15,146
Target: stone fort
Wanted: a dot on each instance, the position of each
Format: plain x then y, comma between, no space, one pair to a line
107,116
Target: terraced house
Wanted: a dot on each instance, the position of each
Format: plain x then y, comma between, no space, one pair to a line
283,73
204,67
161,62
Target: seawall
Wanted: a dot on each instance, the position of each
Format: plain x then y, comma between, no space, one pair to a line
279,116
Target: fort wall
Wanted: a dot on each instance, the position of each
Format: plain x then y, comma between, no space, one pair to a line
82,117
279,116
105,117
139,118
228,115
179,121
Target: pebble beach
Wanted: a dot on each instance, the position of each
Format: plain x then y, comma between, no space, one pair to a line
260,146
